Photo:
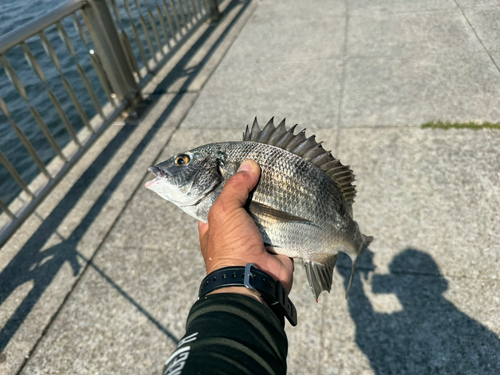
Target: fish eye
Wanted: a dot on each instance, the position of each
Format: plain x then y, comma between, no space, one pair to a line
182,160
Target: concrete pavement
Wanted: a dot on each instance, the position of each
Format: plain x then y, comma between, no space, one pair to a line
361,75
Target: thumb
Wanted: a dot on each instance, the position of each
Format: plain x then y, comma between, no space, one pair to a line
235,192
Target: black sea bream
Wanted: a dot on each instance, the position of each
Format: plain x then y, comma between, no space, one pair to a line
302,204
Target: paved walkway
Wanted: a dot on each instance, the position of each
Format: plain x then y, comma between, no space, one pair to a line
361,75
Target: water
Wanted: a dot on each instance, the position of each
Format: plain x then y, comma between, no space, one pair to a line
12,15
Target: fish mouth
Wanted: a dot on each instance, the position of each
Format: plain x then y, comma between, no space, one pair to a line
160,175
158,172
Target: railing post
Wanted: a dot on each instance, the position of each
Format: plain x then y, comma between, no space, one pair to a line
214,8
110,50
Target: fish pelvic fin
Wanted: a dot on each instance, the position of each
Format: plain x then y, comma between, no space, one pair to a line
320,275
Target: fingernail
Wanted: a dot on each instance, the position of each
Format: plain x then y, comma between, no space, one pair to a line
246,166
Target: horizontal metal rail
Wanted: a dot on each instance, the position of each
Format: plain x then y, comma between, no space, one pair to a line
25,32
113,50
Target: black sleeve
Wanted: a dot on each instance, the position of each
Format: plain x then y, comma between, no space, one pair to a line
230,334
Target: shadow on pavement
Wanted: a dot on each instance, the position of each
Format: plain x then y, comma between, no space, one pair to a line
41,267
430,335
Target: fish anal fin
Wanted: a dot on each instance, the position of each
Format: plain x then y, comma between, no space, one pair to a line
320,275
260,209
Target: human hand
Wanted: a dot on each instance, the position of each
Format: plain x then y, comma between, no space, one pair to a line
231,238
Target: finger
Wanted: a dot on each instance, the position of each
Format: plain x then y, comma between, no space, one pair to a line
235,192
202,228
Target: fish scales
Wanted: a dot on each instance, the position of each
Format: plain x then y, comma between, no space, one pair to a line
290,184
301,210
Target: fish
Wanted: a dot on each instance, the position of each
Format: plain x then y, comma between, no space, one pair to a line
302,204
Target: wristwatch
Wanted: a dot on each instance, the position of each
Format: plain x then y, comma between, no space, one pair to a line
259,282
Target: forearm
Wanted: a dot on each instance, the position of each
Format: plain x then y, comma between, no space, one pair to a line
230,333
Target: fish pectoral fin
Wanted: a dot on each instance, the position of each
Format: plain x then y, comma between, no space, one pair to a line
270,248
259,209
320,275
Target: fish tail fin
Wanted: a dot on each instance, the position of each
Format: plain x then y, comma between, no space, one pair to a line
367,240
320,275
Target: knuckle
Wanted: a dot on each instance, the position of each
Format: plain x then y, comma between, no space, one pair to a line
240,178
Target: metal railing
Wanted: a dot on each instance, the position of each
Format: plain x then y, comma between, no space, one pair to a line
126,41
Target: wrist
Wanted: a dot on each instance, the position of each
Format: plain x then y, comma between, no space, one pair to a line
238,290
225,263
250,279
214,265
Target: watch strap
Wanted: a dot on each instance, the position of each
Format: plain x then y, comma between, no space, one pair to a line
259,282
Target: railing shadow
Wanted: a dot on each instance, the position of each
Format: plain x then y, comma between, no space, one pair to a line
41,267
430,335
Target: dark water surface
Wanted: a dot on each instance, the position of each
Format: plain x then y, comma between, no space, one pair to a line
14,14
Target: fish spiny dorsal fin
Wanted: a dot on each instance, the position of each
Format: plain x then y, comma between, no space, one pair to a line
255,133
297,140
305,146
316,150
246,134
278,133
322,158
267,132
308,149
287,137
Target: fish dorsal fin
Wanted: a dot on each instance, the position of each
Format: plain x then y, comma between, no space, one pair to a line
308,149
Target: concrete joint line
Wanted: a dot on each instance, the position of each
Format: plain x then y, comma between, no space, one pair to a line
477,36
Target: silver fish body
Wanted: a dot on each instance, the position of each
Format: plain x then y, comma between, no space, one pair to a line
300,210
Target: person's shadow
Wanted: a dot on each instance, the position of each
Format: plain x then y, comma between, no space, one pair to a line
430,335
